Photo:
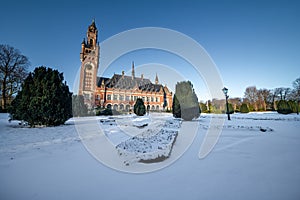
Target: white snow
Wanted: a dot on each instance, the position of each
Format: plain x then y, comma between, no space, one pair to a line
150,144
256,157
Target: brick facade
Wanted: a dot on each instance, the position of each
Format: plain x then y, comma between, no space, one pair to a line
120,91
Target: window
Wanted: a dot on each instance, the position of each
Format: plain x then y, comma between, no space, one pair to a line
108,97
156,99
87,80
86,96
115,107
143,99
127,98
121,98
115,97
135,98
152,99
98,97
148,99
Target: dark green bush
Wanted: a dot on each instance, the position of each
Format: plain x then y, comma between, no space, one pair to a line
230,107
3,110
284,107
105,111
293,105
244,108
139,107
44,99
185,102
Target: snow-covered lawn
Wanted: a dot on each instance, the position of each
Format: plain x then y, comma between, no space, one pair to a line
148,138
257,157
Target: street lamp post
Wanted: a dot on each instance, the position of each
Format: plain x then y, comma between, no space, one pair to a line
225,91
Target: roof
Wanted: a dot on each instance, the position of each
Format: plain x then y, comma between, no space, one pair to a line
127,83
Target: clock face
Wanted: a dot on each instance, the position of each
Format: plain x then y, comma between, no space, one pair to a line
88,66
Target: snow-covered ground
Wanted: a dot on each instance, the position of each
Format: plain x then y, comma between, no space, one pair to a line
257,157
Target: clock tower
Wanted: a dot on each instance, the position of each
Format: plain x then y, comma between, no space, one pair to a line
89,57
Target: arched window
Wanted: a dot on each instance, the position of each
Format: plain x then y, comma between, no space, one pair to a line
91,42
115,107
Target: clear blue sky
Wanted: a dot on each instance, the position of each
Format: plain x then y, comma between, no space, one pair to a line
251,42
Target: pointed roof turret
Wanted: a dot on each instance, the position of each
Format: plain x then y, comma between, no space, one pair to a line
132,71
93,23
156,79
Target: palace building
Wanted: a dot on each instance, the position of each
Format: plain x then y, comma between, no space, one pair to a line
120,91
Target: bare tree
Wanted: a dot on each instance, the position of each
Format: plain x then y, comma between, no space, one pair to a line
296,85
286,93
296,92
236,102
13,70
251,95
263,98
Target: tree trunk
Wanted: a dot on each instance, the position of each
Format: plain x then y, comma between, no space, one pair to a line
4,93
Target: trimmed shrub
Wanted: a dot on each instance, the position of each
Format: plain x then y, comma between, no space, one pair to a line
185,102
293,105
244,108
203,107
230,107
105,111
176,107
139,107
284,107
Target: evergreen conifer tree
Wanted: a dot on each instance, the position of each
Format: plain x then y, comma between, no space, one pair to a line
139,107
185,101
176,107
44,99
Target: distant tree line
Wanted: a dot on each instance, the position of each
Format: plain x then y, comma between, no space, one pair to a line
284,100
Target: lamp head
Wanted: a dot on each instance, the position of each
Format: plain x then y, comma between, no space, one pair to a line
225,90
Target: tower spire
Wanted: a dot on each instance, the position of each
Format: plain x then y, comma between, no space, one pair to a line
156,79
132,71
94,23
